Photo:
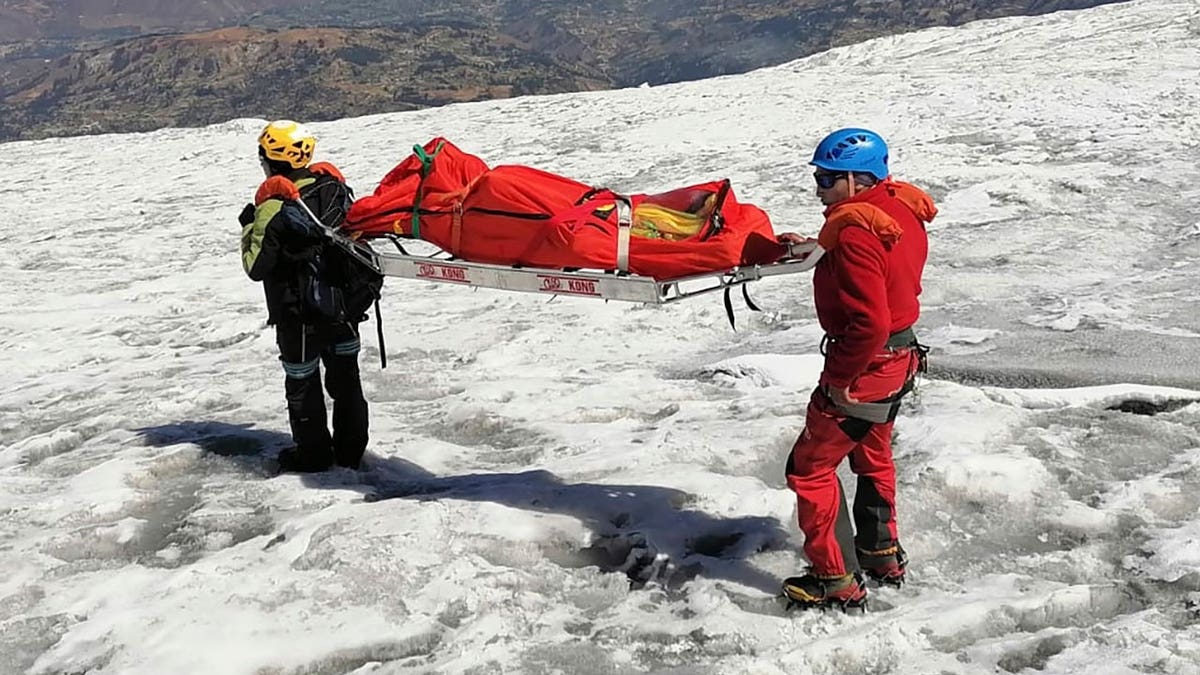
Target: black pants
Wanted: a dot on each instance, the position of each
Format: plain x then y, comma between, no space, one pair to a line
302,349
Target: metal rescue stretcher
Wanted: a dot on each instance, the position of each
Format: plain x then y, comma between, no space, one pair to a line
577,283
440,267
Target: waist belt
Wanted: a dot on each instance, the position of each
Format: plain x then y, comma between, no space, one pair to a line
878,412
900,340
905,338
883,411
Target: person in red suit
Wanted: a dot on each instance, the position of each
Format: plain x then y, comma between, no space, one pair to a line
866,290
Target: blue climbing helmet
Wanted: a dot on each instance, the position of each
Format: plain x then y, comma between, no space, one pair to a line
857,150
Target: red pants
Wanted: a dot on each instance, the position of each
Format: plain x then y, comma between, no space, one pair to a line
829,436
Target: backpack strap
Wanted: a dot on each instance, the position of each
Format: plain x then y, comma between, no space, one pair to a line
333,213
379,332
327,174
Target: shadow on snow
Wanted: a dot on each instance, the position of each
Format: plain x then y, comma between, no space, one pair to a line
645,531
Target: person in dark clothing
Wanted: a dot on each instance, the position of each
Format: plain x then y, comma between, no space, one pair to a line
866,290
284,249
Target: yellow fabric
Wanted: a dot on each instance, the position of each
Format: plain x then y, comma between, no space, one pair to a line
653,221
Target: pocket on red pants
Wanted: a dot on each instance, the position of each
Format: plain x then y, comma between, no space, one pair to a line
884,376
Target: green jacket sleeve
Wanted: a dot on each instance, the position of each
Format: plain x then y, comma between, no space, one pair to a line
260,241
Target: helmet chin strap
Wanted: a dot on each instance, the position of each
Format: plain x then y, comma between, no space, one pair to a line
852,185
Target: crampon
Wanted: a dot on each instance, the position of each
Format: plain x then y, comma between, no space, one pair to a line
847,592
885,566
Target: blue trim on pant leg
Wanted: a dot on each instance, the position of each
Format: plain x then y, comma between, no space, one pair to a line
346,347
300,371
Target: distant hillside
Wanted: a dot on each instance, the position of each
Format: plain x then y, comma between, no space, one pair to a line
89,19
78,66
309,74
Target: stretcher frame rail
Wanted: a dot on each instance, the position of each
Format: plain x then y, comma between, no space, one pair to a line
604,285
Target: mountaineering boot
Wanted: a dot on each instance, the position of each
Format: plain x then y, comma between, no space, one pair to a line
359,464
291,460
886,565
840,590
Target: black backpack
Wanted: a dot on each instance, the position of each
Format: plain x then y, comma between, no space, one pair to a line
359,285
334,286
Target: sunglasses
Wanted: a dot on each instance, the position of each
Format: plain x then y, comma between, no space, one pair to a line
827,180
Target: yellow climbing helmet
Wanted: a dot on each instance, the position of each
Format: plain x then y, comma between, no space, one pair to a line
288,142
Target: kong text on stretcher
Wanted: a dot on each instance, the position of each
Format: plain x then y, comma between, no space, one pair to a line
585,283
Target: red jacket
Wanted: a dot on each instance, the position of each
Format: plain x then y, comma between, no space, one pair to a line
866,286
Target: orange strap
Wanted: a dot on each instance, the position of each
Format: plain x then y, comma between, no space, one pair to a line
456,228
327,169
276,187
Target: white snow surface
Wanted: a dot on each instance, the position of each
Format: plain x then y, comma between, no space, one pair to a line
531,460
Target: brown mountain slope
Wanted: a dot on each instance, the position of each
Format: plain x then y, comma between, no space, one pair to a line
660,41
31,19
402,54
309,74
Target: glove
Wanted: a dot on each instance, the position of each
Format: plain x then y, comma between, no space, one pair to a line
790,238
247,215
